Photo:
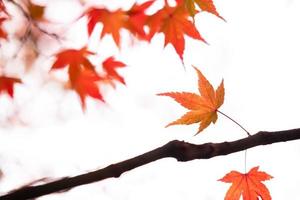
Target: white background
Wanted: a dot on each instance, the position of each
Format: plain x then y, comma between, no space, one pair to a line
255,51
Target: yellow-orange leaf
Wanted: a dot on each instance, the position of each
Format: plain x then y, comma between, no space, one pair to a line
248,185
204,5
203,108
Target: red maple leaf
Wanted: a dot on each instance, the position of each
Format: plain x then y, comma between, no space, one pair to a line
85,83
110,65
113,21
3,33
3,8
7,84
174,23
248,185
82,75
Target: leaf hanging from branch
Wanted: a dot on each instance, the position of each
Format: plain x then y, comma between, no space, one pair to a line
202,108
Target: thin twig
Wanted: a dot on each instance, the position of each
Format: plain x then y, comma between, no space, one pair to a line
33,22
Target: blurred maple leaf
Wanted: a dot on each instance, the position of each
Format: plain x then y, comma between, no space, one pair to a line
7,84
113,21
202,108
3,8
247,185
110,65
36,12
3,33
82,75
85,83
174,23
204,5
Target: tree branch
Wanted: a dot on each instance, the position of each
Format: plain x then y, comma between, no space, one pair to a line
180,150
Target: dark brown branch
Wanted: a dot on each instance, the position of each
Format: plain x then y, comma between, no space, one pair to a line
182,151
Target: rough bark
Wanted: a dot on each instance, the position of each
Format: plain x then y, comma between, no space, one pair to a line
180,150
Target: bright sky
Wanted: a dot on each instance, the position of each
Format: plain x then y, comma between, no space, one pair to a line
255,51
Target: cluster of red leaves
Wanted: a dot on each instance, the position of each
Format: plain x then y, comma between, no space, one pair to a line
172,21
83,77
133,20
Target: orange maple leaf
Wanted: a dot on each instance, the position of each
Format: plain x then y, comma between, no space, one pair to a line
82,75
113,21
3,33
202,108
174,23
248,185
204,5
109,66
7,84
36,12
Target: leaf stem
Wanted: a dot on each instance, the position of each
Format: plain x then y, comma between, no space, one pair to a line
234,122
245,162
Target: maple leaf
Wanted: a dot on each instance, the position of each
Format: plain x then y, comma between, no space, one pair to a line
113,21
202,108
7,84
3,8
248,185
85,83
174,23
82,75
204,5
3,33
110,65
36,12
73,57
